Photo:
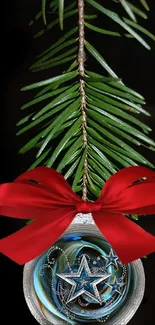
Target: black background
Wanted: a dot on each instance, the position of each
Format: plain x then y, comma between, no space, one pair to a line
134,64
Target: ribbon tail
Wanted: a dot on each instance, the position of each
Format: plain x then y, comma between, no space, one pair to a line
129,241
32,240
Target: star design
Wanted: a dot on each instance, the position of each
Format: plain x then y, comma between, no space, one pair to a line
115,286
84,282
111,259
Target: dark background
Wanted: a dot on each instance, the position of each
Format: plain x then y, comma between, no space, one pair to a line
134,64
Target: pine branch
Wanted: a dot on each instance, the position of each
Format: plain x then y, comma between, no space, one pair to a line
85,124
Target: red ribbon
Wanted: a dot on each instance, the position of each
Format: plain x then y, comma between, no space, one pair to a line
53,204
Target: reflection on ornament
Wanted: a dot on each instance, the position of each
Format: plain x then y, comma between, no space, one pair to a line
80,280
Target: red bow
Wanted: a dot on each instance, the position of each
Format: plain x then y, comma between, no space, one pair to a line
53,204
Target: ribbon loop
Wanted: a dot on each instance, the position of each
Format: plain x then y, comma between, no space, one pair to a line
88,207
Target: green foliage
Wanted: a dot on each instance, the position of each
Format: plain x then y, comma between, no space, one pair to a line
44,11
54,114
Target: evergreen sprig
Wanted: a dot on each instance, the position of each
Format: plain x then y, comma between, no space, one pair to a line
86,124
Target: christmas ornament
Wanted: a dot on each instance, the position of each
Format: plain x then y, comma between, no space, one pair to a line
80,279
80,274
76,273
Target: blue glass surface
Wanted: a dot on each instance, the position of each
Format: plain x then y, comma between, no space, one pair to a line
80,280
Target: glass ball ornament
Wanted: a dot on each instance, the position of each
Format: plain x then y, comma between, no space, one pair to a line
80,280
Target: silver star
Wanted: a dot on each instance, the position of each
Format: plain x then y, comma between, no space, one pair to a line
84,282
111,259
115,286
